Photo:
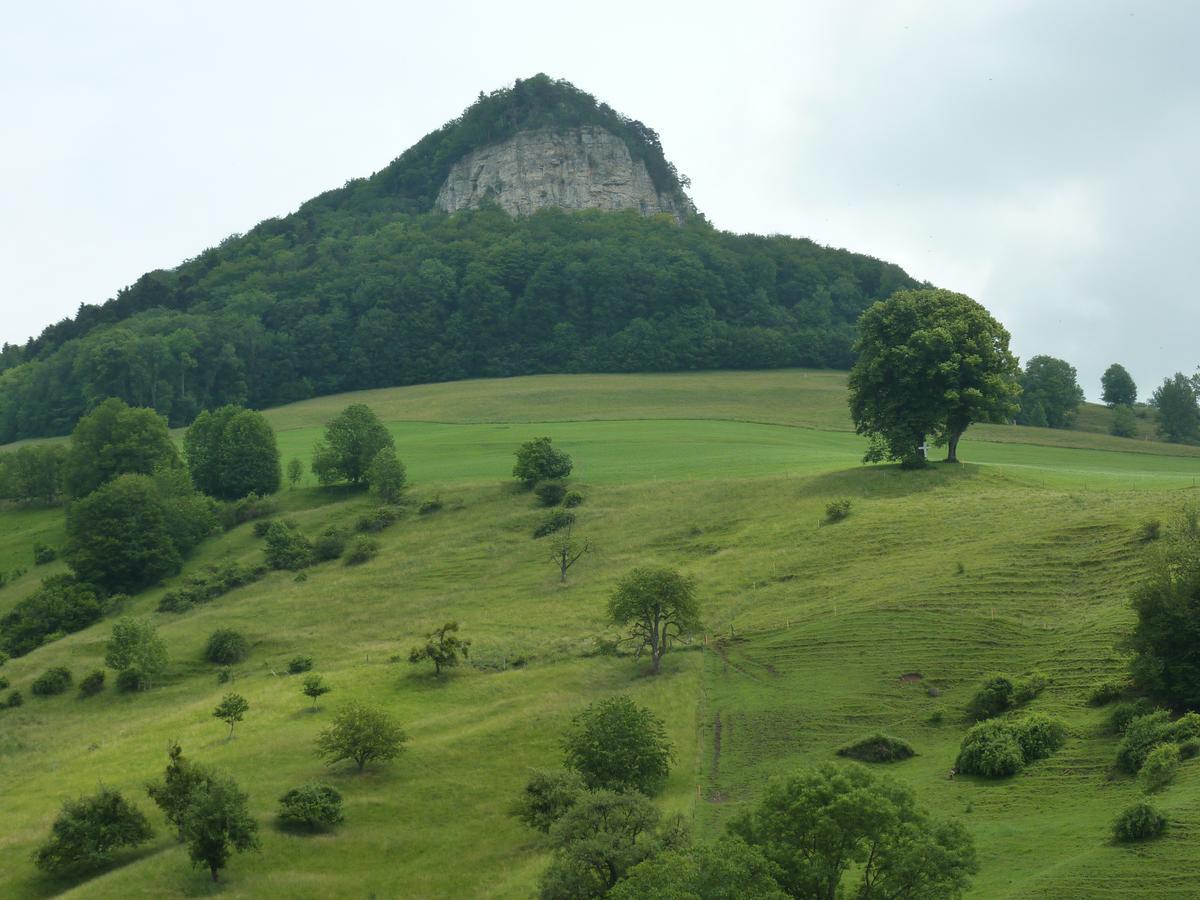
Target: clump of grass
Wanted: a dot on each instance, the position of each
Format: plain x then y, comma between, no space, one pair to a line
878,748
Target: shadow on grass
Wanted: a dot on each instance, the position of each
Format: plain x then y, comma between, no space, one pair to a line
43,885
887,480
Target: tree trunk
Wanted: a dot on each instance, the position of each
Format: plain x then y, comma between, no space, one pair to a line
952,447
214,872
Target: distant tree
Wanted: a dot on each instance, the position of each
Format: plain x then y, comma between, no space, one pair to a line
1178,411
226,646
818,826
352,440
930,362
616,744
1117,386
33,474
362,734
231,710
729,869
547,796
295,471
658,605
1124,422
217,823
136,647
315,688
88,831
1050,393
538,460
312,806
180,781
231,452
442,647
203,446
387,476
114,439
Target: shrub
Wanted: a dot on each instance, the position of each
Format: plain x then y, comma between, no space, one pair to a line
1124,422
1160,767
1105,693
129,681
226,646
431,505
546,796
1138,823
1150,531
1189,749
878,748
1125,712
377,519
61,604
3,683
43,554
362,549
995,697
556,521
261,527
538,460
1027,688
836,510
287,548
387,476
572,499
298,664
224,675
14,699
550,493
247,509
52,681
1039,735
311,806
1142,735
216,582
330,544
992,749
92,683
352,441
88,830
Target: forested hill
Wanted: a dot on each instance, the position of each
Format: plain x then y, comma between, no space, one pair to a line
369,286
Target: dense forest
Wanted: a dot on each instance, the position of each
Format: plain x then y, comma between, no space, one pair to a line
367,286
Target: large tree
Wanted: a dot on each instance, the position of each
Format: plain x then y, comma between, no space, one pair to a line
1117,387
930,362
231,452
115,439
1178,410
616,744
352,441
89,829
658,605
217,823
135,646
1050,393
362,734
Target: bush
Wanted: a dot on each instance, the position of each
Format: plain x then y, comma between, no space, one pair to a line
550,493
387,476
998,695
226,646
298,664
1027,688
538,460
1189,749
991,749
92,684
1125,712
14,700
1150,531
330,544
836,510
362,549
546,796
556,521
3,683
311,806
1142,735
216,582
88,830
1138,823
1124,422
1159,768
572,499
249,508
62,604
431,505
43,554
52,681
377,519
1105,693
1039,736
878,748
287,548
130,681
261,527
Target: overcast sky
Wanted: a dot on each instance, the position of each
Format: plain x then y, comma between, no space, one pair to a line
1042,157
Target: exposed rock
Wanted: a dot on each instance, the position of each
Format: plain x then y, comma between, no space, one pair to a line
574,168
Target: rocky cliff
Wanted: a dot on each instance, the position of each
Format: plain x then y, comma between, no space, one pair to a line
574,168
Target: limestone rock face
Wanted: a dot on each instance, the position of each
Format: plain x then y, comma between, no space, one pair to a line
574,168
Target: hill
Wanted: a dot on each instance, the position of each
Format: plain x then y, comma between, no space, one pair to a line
816,635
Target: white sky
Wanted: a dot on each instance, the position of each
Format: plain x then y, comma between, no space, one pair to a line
1042,157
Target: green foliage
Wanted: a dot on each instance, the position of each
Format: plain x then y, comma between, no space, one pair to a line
1126,711
836,510
550,493
231,710
43,554
362,734
352,442
298,664
61,605
14,700
1146,732
930,362
313,806
1027,687
556,521
432,505
878,748
1166,637
1117,387
1124,422
53,681
217,823
387,476
112,440
362,549
314,688
245,509
286,547
1178,409
87,831
615,744
547,795
295,471
130,681
538,460
377,519
729,869
1138,823
226,646
1106,692
173,794
1000,693
231,452
998,748
330,544
136,652
1039,735
215,581
92,683
657,605
818,825
33,474
442,647
572,499
1050,393
1159,768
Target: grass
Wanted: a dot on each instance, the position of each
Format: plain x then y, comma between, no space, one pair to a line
1020,560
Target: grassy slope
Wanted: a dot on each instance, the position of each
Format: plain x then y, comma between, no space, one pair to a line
824,620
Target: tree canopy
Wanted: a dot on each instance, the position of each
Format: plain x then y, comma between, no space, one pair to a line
362,734
217,823
115,439
352,442
657,605
87,831
1050,393
1178,409
231,452
1117,386
930,362
616,744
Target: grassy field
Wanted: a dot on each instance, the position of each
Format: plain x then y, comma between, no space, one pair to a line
1020,560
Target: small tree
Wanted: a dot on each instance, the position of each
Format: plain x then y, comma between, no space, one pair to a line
1050,393
616,744
538,460
352,440
314,688
442,647
1117,386
658,605
226,646
312,806
136,647
180,780
1178,409
217,823
89,829
568,550
387,476
231,710
295,471
1124,422
361,734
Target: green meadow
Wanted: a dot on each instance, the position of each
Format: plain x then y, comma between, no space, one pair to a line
1022,559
